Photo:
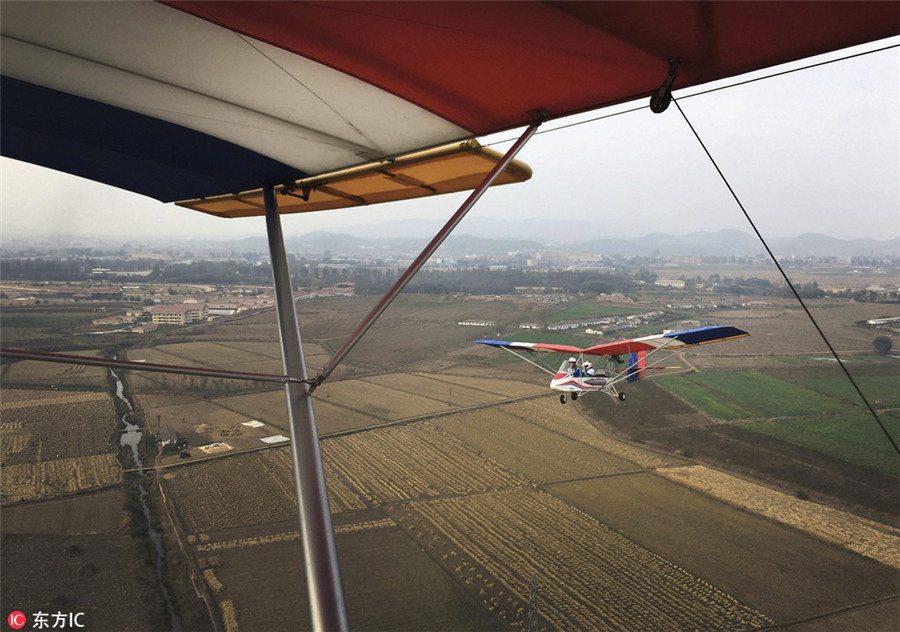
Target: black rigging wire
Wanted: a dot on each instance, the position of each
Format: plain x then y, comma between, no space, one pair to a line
548,129
787,280
744,210
792,70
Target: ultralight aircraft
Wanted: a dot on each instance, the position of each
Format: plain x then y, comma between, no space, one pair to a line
623,361
243,109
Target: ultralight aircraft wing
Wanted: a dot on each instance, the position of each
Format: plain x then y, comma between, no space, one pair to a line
640,350
531,346
186,101
669,341
634,365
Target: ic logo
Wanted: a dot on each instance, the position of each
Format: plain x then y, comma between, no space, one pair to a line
17,620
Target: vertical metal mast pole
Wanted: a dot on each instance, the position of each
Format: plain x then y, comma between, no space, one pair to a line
328,610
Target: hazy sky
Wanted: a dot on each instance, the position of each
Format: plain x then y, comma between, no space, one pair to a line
811,151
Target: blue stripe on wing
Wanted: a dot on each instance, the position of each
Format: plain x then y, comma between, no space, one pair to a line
714,333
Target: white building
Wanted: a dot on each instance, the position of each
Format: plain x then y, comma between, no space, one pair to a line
180,314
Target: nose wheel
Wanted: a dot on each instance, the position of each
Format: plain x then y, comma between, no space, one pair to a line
562,399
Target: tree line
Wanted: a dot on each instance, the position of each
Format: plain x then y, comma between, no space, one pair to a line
307,273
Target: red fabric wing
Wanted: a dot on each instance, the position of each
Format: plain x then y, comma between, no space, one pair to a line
488,66
619,348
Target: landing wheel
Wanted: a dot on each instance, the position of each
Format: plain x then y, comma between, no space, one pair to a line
562,398
621,397
574,396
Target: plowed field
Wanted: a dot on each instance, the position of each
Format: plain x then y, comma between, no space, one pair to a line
778,570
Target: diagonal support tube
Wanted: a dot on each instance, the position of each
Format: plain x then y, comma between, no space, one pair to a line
65,358
429,250
328,610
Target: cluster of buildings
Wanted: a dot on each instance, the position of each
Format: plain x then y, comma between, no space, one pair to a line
601,326
199,308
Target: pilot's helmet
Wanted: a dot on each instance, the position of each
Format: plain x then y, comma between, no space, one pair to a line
587,364
571,359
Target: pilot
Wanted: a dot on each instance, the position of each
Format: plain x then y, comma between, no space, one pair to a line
573,370
588,369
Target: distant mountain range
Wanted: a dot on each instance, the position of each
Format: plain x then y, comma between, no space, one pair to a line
724,243
733,243
493,237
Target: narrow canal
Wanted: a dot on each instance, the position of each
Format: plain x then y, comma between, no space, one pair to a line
131,437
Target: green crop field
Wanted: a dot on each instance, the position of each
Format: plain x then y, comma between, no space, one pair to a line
762,395
39,322
854,438
550,338
813,413
705,398
591,310
885,388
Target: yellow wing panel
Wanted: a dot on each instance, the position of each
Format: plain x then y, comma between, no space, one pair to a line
446,169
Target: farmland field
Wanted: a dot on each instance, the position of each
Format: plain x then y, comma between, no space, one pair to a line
74,553
453,395
39,322
513,385
400,587
706,399
855,438
538,453
231,356
55,443
333,416
380,400
251,357
452,484
241,490
874,540
546,413
592,310
86,514
410,462
244,490
201,422
784,328
340,405
62,424
813,412
28,374
551,338
589,577
761,395
107,576
885,388
787,575
470,502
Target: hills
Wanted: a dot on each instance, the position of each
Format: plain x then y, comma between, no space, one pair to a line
723,243
733,243
489,238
